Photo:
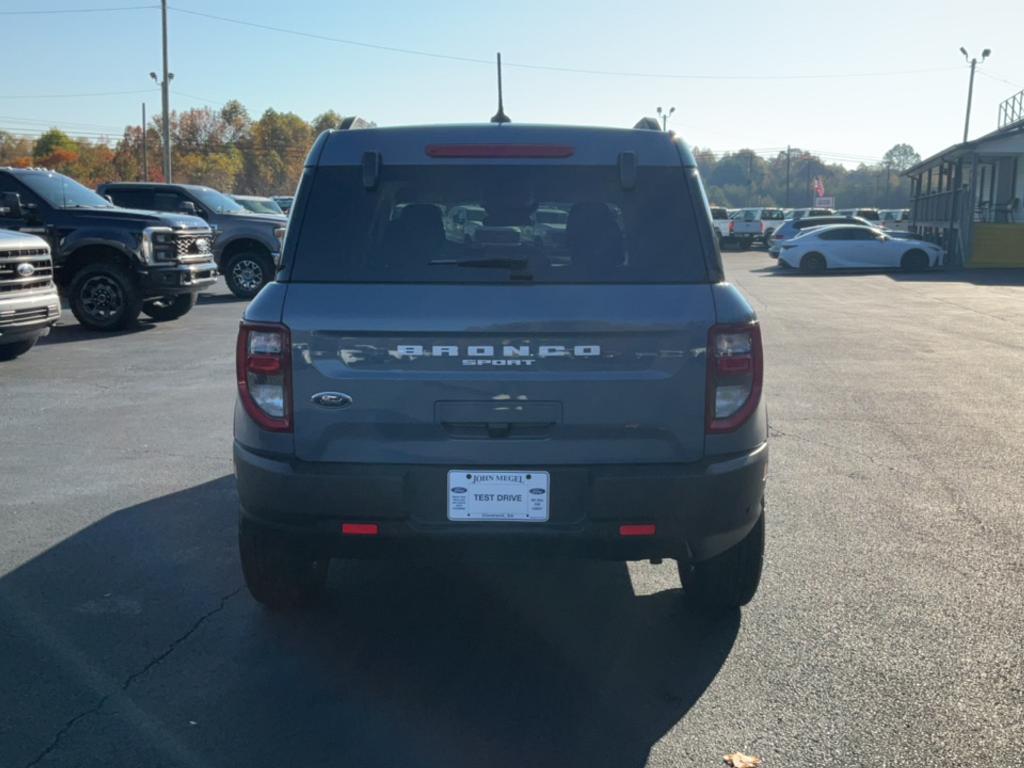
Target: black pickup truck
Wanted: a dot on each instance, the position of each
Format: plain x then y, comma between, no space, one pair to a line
110,263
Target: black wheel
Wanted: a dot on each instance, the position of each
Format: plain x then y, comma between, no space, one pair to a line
279,573
246,273
729,580
104,297
15,349
914,261
767,239
813,264
170,307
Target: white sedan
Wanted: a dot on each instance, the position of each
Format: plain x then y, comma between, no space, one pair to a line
842,246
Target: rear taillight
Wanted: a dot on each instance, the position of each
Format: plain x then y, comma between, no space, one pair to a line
732,227
735,375
778,235
264,373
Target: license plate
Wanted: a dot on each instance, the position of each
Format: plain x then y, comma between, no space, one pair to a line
498,495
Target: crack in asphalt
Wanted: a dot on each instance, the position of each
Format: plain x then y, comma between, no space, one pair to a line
132,677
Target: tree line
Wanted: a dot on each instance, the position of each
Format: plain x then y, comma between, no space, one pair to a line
228,150
744,178
221,148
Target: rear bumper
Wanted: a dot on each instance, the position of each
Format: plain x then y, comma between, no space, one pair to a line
180,278
699,510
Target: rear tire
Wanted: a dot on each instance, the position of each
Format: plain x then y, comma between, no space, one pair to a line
914,261
281,574
728,580
246,273
170,307
813,264
104,297
16,349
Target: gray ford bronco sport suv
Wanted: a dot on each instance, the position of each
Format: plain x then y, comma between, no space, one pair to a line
404,393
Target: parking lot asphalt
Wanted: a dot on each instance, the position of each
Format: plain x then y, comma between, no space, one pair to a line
888,630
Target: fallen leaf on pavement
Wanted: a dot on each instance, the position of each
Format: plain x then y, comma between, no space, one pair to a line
739,760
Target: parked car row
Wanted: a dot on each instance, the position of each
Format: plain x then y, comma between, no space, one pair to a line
247,247
745,226
121,251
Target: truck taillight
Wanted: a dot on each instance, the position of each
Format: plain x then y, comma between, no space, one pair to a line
264,374
732,226
735,375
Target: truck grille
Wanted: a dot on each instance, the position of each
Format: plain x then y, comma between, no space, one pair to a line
194,246
22,316
12,273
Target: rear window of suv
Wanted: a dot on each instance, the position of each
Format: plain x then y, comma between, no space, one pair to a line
473,223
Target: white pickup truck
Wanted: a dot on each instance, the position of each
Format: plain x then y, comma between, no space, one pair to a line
750,224
720,218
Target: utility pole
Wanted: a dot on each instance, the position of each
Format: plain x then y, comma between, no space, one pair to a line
165,86
970,88
888,172
750,179
145,156
787,174
665,116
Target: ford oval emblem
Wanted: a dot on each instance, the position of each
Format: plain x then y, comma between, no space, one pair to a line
332,399
537,491
25,269
459,489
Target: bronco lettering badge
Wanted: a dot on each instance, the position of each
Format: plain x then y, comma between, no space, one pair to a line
497,355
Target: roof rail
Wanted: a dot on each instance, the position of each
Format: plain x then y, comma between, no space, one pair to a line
648,124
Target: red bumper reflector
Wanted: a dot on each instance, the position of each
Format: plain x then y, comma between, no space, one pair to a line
499,150
359,529
645,529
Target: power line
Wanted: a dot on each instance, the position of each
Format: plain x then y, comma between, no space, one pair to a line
993,76
544,67
56,123
71,95
56,11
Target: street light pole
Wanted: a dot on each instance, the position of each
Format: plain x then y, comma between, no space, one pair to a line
665,116
970,88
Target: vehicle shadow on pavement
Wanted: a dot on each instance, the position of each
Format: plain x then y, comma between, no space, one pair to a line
992,277
221,298
63,334
969,276
133,642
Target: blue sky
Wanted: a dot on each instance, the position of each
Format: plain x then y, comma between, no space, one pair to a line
846,117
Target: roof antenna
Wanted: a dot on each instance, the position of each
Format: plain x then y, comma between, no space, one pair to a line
500,116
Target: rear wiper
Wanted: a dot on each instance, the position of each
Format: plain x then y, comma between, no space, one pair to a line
486,263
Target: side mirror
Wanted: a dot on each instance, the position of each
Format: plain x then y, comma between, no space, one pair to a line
10,205
189,208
